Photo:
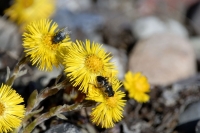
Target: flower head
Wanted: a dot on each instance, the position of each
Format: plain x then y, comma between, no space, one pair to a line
39,46
84,62
11,113
25,11
137,86
108,109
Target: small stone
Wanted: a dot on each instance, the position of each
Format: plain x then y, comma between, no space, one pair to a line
191,113
64,128
164,58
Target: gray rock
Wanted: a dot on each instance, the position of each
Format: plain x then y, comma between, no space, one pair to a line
82,25
120,59
163,58
10,43
191,113
172,95
88,128
74,5
125,7
10,38
64,128
147,26
47,75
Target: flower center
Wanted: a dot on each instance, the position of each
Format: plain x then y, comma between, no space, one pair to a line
27,3
94,63
48,41
111,101
2,109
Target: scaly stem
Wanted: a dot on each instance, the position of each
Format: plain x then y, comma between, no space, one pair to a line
54,112
17,70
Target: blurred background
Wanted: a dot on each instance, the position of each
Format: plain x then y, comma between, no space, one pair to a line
160,38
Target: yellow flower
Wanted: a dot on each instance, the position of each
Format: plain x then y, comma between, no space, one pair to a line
108,109
26,11
84,62
39,46
11,113
137,86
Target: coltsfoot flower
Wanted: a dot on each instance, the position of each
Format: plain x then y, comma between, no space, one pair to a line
26,11
11,112
38,44
137,85
108,109
84,62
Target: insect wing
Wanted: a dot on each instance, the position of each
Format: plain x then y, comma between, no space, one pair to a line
64,31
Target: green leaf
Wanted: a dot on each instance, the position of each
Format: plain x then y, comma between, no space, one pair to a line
31,101
61,116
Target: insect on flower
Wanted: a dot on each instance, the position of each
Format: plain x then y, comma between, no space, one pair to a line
105,85
60,35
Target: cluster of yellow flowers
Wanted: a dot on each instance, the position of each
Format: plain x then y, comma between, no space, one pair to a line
12,111
83,62
46,46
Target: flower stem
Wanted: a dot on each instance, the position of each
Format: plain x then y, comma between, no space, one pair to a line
17,72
